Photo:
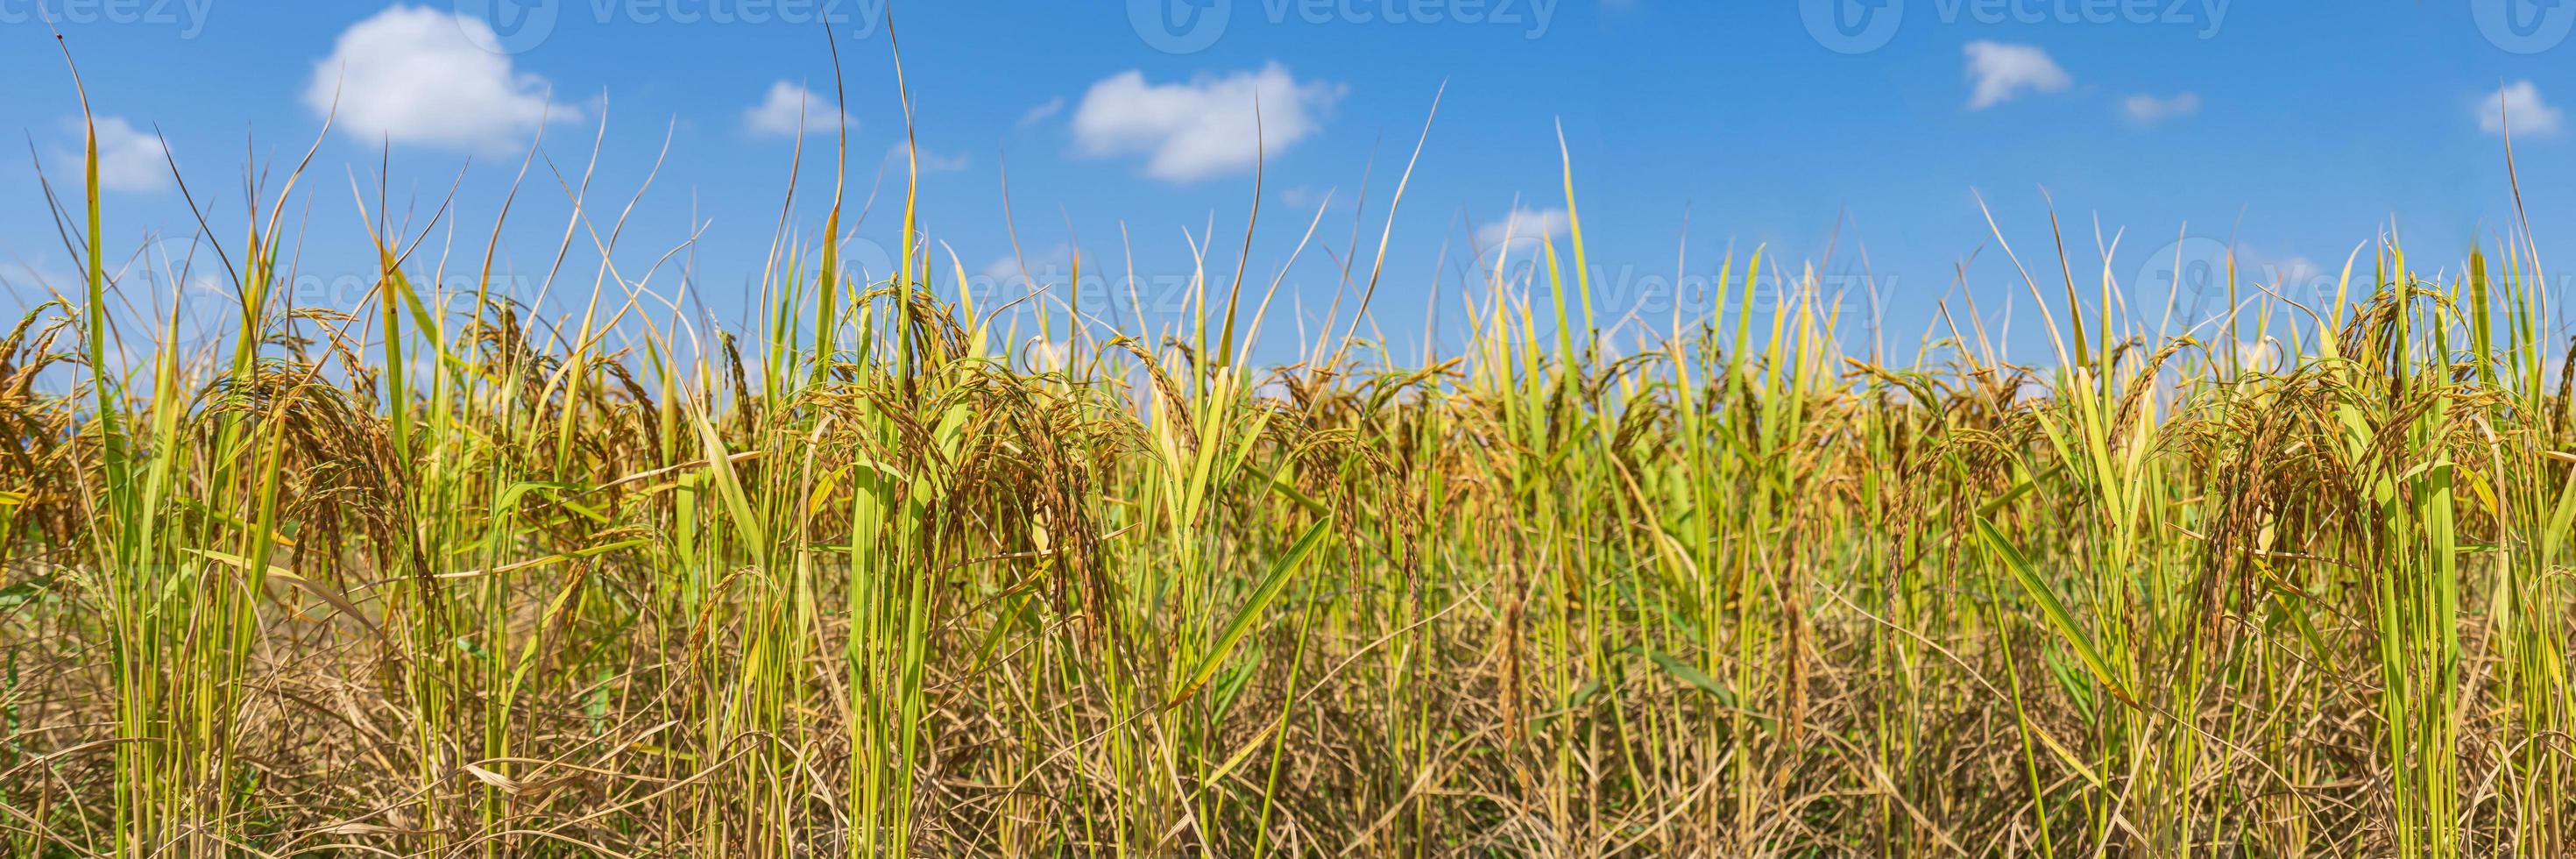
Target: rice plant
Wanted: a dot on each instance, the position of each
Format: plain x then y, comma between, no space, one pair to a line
439,574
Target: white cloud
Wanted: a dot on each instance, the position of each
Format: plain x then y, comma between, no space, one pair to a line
2295,268
38,278
1305,196
2003,72
1202,128
1015,274
2519,104
2148,110
931,162
1525,229
129,159
1041,112
791,107
1002,270
417,75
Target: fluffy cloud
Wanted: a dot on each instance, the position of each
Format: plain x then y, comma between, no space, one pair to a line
21,281
790,107
1524,228
2519,104
1043,112
2296,271
2003,72
900,157
416,75
1016,274
1203,128
2149,110
1306,197
129,159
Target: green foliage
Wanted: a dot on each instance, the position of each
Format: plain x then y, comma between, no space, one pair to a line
439,576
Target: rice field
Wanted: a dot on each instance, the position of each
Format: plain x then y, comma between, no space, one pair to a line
870,575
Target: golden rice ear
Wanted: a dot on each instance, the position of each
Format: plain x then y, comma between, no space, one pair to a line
847,576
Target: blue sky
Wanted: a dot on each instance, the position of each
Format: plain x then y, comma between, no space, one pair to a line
2292,130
